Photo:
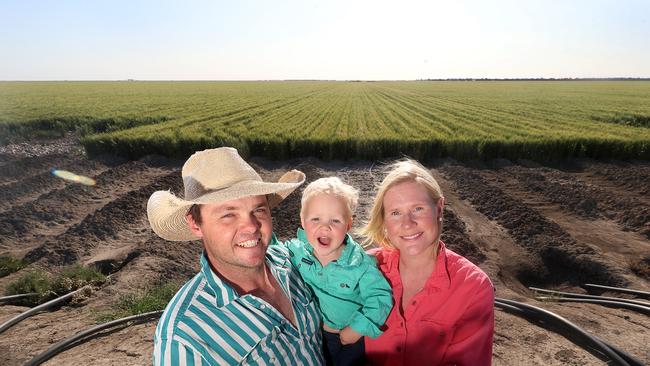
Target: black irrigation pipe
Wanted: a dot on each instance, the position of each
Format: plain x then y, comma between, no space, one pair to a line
644,294
617,304
582,296
87,335
24,315
614,354
16,297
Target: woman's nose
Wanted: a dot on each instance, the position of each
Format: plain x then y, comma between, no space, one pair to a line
408,220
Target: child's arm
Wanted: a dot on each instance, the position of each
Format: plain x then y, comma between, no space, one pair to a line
377,299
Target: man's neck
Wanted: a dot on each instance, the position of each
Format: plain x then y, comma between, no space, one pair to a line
243,280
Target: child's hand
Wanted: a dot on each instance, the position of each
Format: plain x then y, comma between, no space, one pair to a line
349,336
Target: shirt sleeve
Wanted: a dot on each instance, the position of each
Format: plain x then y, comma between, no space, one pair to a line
472,340
174,353
377,300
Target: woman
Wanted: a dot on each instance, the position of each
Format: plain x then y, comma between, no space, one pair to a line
443,309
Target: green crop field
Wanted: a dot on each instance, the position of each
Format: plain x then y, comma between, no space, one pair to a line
339,120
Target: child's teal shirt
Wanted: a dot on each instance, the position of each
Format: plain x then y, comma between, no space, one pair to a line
350,290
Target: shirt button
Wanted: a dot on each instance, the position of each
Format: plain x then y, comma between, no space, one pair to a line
262,306
414,302
399,349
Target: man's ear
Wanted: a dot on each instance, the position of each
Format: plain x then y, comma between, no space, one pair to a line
194,227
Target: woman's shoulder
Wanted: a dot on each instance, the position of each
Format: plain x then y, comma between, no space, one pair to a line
381,256
460,267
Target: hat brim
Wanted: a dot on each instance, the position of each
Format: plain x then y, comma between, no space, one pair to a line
166,212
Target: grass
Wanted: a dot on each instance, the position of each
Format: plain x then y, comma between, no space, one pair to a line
151,299
340,120
48,287
10,265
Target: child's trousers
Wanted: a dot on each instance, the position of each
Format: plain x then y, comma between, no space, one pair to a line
337,354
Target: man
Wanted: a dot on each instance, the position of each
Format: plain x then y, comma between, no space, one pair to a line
247,305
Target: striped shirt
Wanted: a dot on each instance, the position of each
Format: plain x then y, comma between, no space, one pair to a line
208,323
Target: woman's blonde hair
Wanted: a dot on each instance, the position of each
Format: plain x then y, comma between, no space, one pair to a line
332,186
400,171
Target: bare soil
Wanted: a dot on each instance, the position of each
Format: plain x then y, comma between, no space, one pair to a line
555,226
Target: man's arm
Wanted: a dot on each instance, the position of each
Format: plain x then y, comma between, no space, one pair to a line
174,353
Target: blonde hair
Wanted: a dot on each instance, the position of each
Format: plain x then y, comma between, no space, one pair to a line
398,172
332,186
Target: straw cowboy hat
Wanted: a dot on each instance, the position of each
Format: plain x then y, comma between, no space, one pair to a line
213,176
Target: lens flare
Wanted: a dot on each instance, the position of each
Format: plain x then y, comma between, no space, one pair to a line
64,174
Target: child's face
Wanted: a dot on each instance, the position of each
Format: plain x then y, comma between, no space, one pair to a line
325,220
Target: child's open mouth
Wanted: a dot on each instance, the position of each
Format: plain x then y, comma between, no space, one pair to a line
324,240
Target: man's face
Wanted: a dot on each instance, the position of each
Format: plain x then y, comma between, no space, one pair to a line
235,233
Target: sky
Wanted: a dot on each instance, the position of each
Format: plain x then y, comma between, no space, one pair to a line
331,39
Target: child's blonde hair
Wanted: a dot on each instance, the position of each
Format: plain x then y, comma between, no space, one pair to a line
398,172
332,186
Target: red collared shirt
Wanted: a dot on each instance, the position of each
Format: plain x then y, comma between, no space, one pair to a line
450,321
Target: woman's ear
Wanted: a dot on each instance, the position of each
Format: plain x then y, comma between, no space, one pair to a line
440,207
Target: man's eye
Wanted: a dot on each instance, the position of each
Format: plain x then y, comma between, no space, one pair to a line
228,215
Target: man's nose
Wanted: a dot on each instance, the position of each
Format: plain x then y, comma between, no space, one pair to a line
251,222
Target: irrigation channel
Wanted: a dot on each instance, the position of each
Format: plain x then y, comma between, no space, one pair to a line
549,320
554,227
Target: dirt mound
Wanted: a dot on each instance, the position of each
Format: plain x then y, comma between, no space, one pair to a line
524,224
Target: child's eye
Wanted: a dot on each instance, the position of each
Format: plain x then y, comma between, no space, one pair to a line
336,221
314,219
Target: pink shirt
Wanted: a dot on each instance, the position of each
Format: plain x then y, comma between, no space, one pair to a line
450,321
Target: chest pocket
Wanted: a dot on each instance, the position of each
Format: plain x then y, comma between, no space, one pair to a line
439,336
344,284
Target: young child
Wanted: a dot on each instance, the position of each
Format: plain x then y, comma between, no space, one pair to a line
354,297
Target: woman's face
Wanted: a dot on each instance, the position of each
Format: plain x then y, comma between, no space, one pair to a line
411,218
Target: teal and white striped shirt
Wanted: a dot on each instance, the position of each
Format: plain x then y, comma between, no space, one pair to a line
208,323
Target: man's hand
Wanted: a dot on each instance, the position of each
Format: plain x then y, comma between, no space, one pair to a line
349,336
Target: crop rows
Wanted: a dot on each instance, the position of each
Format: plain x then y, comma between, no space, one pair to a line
340,120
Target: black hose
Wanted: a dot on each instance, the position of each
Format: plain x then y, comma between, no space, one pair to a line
618,304
87,334
24,315
16,297
582,296
548,317
644,294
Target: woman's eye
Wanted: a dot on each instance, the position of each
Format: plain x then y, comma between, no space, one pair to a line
394,213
